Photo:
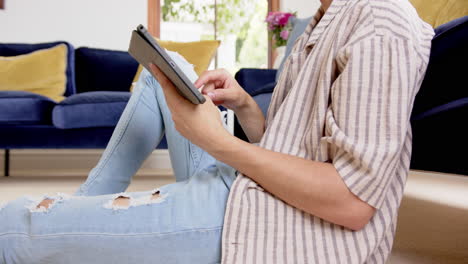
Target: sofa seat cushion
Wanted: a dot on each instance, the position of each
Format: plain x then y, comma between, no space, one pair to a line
48,136
19,107
91,109
431,129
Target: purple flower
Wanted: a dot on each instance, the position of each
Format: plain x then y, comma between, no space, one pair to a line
277,23
284,18
284,34
270,17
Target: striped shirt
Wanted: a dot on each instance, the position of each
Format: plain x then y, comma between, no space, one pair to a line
344,97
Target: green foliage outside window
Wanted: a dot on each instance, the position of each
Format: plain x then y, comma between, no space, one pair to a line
243,18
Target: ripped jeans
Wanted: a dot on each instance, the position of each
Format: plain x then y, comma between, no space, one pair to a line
178,223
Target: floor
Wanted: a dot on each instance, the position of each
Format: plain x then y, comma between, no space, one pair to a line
15,186
433,217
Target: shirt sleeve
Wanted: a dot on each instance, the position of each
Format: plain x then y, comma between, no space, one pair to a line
367,122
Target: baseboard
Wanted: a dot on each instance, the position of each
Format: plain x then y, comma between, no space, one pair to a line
73,162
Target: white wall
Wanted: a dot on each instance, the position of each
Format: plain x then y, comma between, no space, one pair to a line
304,8
92,23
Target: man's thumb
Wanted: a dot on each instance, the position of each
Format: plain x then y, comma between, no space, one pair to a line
216,95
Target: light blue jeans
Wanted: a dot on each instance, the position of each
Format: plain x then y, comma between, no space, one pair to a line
183,225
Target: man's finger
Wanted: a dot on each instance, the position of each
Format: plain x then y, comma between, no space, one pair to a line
209,87
210,76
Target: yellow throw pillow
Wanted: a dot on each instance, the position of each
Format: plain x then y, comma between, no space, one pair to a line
438,12
41,72
198,53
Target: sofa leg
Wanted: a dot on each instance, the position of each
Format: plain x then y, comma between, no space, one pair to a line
7,163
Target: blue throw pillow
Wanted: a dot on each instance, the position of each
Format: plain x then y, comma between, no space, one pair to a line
299,26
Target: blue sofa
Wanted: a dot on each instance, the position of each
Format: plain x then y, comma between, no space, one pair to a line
440,133
97,91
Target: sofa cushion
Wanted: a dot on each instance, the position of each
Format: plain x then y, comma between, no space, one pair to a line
91,109
438,12
41,72
19,107
299,26
263,101
48,136
104,70
432,151
255,81
445,76
14,49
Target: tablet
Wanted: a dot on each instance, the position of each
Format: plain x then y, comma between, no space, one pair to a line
145,49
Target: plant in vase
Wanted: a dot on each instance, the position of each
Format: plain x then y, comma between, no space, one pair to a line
279,28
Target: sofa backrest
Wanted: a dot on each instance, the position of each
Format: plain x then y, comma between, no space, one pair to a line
445,79
15,49
103,70
299,26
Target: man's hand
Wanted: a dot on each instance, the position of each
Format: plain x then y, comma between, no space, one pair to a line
223,89
201,124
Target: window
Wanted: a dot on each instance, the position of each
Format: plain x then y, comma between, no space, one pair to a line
238,24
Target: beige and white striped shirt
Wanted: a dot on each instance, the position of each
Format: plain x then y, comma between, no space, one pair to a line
345,97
